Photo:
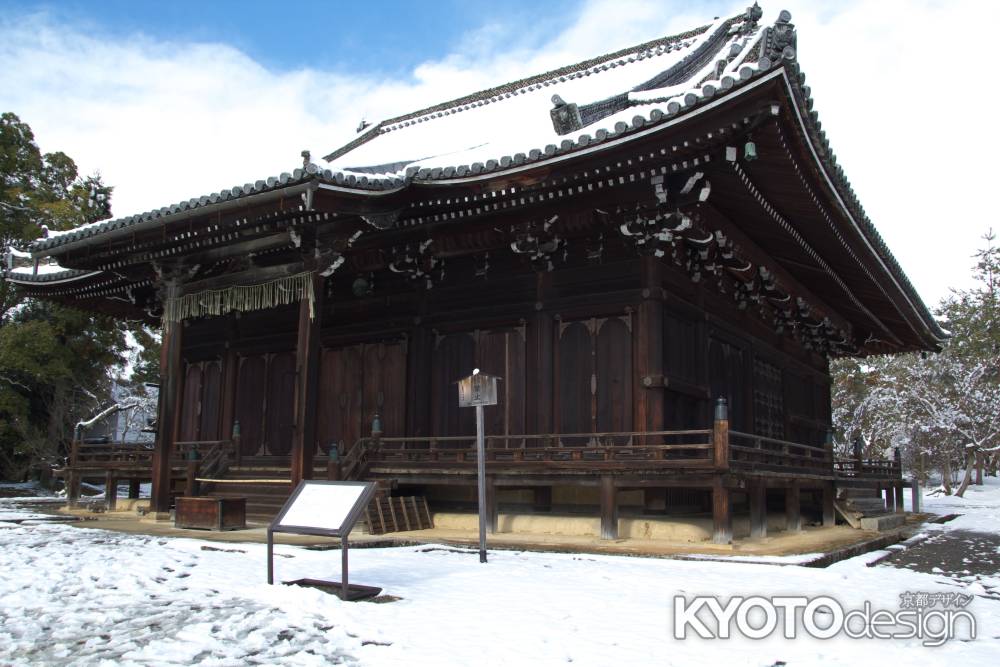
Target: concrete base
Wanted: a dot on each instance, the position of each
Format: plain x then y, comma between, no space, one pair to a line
811,540
688,529
882,522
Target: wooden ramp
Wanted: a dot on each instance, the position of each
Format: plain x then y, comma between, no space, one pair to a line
388,514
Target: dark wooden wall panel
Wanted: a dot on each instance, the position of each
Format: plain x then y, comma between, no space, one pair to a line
683,348
728,378
250,403
502,353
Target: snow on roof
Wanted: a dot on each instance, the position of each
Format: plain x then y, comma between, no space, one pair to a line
46,273
513,123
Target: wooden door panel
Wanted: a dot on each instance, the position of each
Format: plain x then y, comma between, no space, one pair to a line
191,404
211,401
385,386
340,398
614,376
576,380
279,419
454,358
250,403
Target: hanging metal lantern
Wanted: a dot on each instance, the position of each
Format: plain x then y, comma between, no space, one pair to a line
750,151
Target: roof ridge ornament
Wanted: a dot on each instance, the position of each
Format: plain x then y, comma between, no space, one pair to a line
781,39
565,117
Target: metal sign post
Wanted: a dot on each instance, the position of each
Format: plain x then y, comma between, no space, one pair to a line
481,464
478,390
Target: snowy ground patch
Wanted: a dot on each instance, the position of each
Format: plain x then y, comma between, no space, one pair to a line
72,595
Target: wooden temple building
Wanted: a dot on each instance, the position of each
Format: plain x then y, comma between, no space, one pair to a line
655,249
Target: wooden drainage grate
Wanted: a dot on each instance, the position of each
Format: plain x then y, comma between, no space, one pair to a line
392,515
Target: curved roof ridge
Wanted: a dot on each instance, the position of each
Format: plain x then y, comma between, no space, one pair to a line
494,93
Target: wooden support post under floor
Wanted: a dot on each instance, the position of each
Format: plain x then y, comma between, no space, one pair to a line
829,517
722,518
110,491
897,496
609,508
134,489
793,508
757,492
73,489
543,499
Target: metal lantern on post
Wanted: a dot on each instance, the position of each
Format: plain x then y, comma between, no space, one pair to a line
477,390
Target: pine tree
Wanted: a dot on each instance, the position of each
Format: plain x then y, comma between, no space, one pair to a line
56,363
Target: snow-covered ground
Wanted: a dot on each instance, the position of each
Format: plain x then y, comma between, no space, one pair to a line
72,595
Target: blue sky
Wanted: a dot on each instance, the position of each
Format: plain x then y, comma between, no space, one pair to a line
175,99
377,37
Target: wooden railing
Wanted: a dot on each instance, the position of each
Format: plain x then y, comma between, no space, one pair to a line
691,448
758,453
111,455
868,469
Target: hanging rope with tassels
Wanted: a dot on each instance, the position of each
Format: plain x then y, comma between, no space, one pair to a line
243,298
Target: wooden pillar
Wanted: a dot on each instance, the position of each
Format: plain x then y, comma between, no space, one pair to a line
72,488
492,507
720,435
829,515
307,382
230,369
609,508
722,518
648,407
898,498
171,385
793,508
541,339
110,491
134,489
757,492
543,499
191,480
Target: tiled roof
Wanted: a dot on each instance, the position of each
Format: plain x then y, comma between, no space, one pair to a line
509,127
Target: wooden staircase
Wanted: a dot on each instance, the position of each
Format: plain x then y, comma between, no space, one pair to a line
265,487
864,510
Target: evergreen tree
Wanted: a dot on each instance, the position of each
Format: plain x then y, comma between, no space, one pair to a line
56,364
942,407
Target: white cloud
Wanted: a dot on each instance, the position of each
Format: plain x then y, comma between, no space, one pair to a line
900,88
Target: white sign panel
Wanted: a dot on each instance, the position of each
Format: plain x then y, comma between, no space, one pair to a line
322,506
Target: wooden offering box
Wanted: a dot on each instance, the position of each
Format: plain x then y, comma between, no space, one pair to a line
211,513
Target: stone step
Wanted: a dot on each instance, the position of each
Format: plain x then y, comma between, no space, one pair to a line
867,505
881,522
853,492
